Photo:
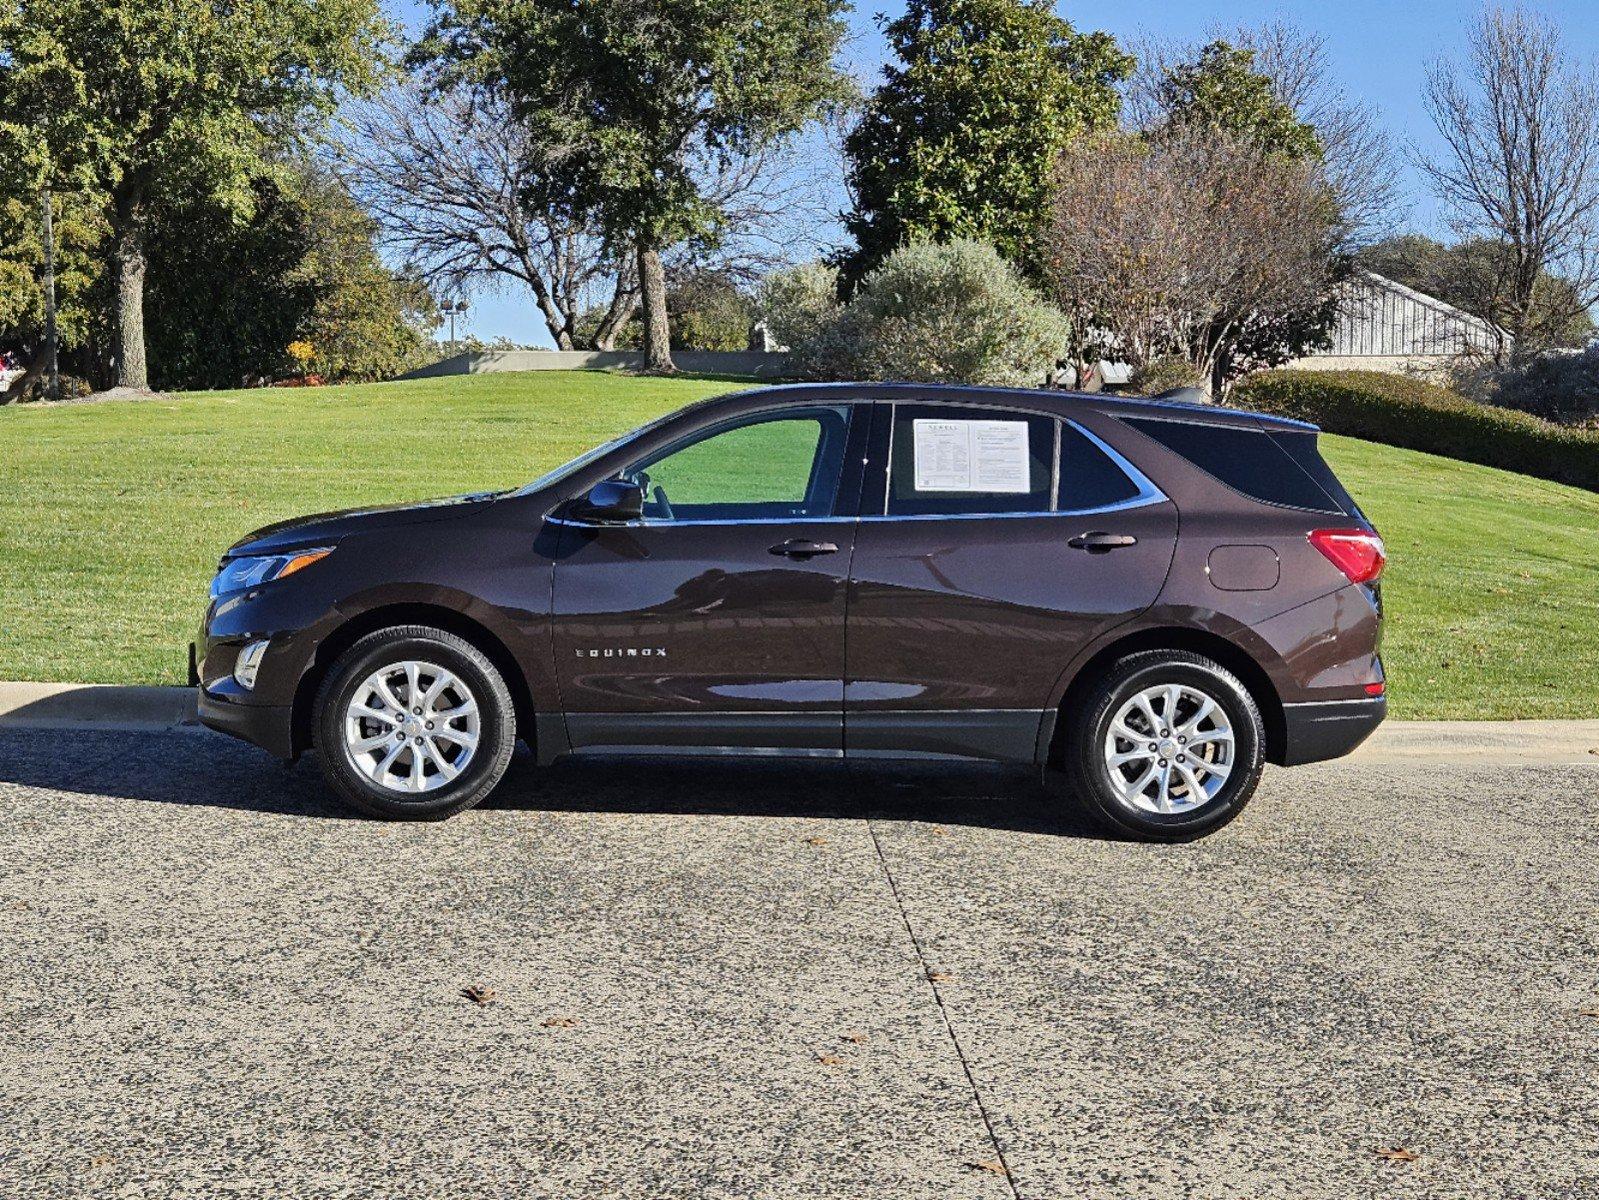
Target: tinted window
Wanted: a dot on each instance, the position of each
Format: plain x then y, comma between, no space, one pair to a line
951,460
1088,476
1301,447
1246,460
774,466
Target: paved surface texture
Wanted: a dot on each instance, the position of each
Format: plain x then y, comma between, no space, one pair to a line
758,981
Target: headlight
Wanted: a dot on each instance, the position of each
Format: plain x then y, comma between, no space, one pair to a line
236,574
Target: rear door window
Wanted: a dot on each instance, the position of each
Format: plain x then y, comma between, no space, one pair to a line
948,460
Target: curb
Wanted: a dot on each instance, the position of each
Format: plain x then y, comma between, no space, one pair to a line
95,706
110,707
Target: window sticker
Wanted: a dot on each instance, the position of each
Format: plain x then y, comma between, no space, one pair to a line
971,456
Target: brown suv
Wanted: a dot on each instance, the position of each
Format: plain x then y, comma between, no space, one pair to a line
1145,600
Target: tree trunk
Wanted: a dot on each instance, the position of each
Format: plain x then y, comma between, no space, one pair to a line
24,383
652,289
624,302
127,262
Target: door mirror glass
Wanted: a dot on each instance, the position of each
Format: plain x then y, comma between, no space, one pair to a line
612,500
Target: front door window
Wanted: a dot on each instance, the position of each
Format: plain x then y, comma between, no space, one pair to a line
769,468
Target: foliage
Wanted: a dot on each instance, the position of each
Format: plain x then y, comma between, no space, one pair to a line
799,302
301,268
1221,89
953,313
1422,416
1561,386
1192,244
632,94
709,311
80,232
1468,275
137,102
958,139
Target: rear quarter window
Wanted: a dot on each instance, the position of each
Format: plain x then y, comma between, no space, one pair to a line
1247,460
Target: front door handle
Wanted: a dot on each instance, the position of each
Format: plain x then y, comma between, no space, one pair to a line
803,548
1102,543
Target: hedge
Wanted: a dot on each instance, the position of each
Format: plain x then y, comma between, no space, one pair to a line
1422,416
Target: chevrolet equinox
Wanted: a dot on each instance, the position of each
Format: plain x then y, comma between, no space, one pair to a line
1145,601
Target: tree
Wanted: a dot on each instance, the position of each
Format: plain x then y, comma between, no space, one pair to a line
1467,275
959,138
1291,68
79,235
1220,89
643,99
1196,243
1520,167
137,100
302,268
452,179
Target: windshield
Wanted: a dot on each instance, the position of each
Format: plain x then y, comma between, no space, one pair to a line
582,460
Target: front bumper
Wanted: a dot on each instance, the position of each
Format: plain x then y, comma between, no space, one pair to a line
1318,731
269,726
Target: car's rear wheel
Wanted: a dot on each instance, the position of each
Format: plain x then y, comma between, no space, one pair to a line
413,723
1167,746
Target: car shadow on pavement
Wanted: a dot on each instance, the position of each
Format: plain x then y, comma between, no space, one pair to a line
188,767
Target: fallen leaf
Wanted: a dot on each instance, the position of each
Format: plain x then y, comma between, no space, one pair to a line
859,1039
830,1060
939,976
937,831
478,994
1397,1154
101,1160
558,1022
1588,1012
992,1166
816,841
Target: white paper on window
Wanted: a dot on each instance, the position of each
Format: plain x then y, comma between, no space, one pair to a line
971,456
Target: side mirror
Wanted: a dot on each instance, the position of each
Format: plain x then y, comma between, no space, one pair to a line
611,500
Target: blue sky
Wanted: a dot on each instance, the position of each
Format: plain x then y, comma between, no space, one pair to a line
1378,50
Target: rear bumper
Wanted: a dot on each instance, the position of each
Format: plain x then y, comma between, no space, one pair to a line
1319,731
268,726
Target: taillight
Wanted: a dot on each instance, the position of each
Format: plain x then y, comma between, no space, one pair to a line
1358,553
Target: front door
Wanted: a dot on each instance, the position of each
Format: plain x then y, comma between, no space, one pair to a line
715,623
1005,542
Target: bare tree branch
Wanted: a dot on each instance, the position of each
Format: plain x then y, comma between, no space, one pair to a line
1520,166
446,176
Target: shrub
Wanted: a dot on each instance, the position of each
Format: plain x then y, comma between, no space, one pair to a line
1421,416
1558,385
799,302
955,313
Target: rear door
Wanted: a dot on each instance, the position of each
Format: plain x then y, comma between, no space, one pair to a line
994,544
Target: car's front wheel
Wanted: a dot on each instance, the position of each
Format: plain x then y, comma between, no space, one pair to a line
413,723
1167,746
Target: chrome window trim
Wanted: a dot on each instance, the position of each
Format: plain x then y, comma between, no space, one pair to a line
1148,494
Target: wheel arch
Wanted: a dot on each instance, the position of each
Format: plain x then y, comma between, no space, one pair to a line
384,616
1198,641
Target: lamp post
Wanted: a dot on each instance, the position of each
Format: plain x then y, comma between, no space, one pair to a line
452,309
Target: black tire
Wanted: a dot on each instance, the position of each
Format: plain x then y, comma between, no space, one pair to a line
496,732
1088,776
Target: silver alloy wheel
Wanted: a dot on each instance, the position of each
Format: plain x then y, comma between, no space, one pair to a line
1169,749
412,727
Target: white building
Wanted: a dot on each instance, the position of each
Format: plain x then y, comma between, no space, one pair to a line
1385,326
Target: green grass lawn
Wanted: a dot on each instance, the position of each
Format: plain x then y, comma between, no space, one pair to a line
112,517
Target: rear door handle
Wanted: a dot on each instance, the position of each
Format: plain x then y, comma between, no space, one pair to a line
803,548
1102,543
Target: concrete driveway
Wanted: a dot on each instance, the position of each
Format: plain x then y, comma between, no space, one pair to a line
740,982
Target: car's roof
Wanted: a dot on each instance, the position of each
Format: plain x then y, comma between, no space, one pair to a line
1062,401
